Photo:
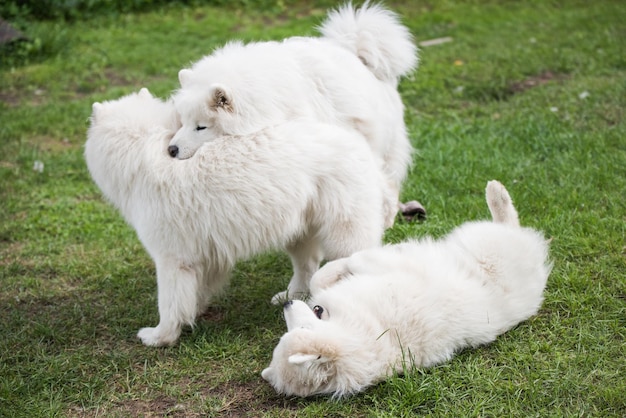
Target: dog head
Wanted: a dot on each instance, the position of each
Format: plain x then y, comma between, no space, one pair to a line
202,111
122,134
316,356
133,112
237,90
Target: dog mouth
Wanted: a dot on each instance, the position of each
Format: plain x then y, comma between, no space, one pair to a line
299,314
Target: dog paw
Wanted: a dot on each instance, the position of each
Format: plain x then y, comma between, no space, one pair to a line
279,298
412,210
330,274
153,338
284,296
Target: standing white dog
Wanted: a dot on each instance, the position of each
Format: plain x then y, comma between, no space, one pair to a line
348,77
314,189
411,305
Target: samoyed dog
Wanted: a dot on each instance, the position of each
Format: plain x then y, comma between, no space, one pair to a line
414,304
314,189
347,77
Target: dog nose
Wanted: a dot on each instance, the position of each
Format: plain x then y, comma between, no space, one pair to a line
287,304
172,150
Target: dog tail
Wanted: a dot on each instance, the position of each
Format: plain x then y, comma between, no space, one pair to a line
500,204
376,36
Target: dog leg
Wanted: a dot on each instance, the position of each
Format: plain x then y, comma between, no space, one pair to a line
306,256
500,204
346,246
178,302
329,274
374,261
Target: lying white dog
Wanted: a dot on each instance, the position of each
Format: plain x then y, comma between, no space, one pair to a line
411,305
347,77
314,189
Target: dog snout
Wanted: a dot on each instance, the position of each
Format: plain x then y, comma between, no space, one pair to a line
172,150
287,304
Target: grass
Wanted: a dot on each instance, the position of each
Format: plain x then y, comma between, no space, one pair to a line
505,99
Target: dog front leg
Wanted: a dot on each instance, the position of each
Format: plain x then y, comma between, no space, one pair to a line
329,274
373,261
178,302
306,256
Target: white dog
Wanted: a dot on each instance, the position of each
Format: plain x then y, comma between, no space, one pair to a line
415,304
347,77
314,189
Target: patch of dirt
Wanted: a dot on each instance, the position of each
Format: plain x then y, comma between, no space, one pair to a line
9,34
273,20
100,81
50,143
212,314
535,81
160,407
10,253
234,399
9,165
250,399
13,97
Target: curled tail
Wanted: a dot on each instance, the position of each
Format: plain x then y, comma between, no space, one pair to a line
500,204
376,36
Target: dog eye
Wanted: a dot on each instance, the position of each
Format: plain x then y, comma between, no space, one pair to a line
318,311
200,128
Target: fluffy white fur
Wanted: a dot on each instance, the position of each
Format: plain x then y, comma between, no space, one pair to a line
347,77
411,305
311,188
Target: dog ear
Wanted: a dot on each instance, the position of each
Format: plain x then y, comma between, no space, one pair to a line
301,358
318,351
184,76
267,373
220,98
96,108
311,346
145,93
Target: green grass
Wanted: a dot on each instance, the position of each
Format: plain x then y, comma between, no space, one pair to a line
502,100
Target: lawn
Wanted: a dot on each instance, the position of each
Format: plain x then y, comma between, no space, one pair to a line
531,93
